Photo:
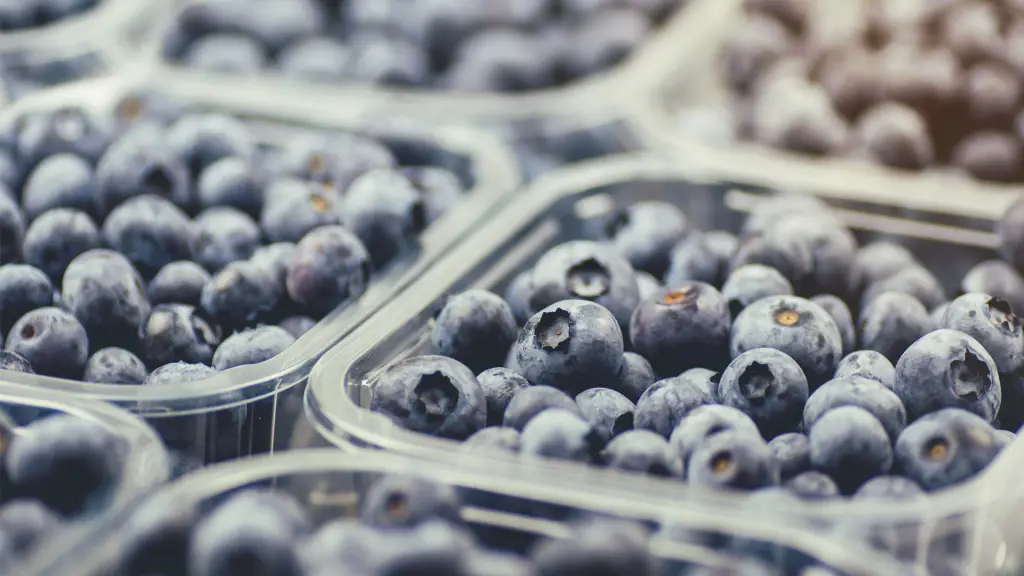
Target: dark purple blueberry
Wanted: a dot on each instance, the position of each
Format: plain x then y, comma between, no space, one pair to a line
780,248
993,324
439,188
839,312
386,212
275,259
997,278
853,81
224,235
202,139
494,438
972,31
115,366
58,181
71,130
400,501
768,386
14,362
561,435
793,453
239,295
53,342
56,238
178,282
251,346
12,229
882,260
330,266
231,181
334,159
916,281
771,209
105,292
734,461
684,327
751,282
608,412
646,232
140,162
706,421
642,452
892,322
945,448
635,376
895,135
869,364
178,373
26,524
528,402
667,403
151,231
862,392
798,116
500,385
702,257
851,446
23,288
476,328
175,333
597,545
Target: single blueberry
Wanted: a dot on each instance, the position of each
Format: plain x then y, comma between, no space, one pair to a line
59,181
705,422
138,163
53,341
861,392
608,412
526,403
500,385
812,485
386,212
705,379
56,238
231,181
851,446
792,452
104,291
997,278
869,364
686,326
239,295
645,233
667,403
768,386
476,328
431,394
839,312
948,369
251,346
945,448
733,460
702,257
151,231
329,267
644,452
202,139
12,229
224,235
562,435
748,284
494,438
833,252
23,288
175,333
293,208
991,322
297,325
408,501
178,282
781,248
891,323
635,376
115,366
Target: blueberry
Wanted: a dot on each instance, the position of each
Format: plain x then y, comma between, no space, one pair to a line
861,392
53,342
275,259
500,60
293,208
69,464
667,403
644,452
64,130
178,373
812,485
297,325
997,278
895,135
948,369
139,163
202,139
704,379
778,247
439,188
768,386
56,238
648,286
251,346
833,251
606,39
231,181
735,461
645,233
59,181
233,53
26,523
989,155
175,333
14,362
891,323
476,328
598,546
635,376
687,326
792,452
178,282
561,434
500,385
915,281
572,345
239,295
103,290
945,448
851,446
869,364
431,394
115,366
335,159
494,438
705,422
12,229
23,288
993,324
1010,230
748,284
798,327
224,235
702,257
586,271
889,488
839,312
518,294
527,403
329,267
381,58
882,260
408,501
151,232
386,212
315,59
609,412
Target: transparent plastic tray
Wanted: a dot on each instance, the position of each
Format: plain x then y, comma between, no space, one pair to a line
145,464
976,521
274,388
331,485
691,79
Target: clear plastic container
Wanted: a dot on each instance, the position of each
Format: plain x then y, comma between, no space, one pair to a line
188,415
687,112
145,464
501,507
973,525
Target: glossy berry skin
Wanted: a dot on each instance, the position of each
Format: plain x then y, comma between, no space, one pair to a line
667,403
396,502
53,341
65,462
948,369
12,229
945,448
494,438
733,461
645,233
385,211
476,328
104,291
561,435
572,345
862,392
891,323
644,452
23,288
231,182
748,284
294,207
585,270
528,402
56,238
329,267
635,376
686,326
851,446
140,163
500,385
115,366
239,295
869,364
993,324
59,181
431,394
176,333
607,411
151,232
792,452
839,312
224,235
798,327
768,386
179,282
202,139
701,257
705,422
251,346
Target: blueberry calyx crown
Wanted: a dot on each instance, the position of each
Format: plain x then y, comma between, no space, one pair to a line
553,330
937,449
436,396
681,295
588,279
755,381
396,507
156,181
721,463
1000,314
971,376
786,317
319,203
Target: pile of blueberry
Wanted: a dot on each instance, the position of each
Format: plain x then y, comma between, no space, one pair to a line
21,14
166,247
467,45
786,357
56,469
912,84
